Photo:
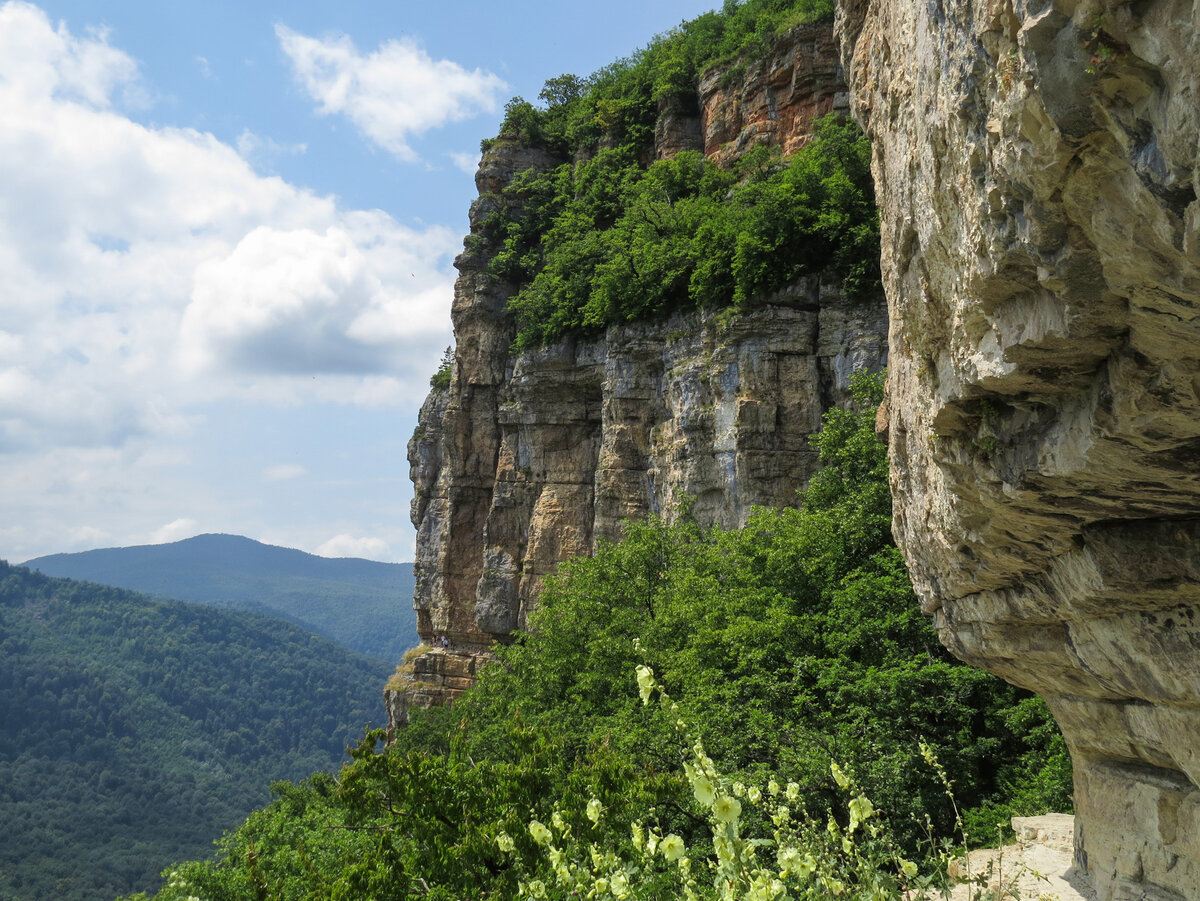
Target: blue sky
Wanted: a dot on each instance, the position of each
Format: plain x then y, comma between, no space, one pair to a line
226,235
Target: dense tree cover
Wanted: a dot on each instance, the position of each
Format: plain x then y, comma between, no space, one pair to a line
605,237
345,599
133,731
407,824
789,644
617,105
607,241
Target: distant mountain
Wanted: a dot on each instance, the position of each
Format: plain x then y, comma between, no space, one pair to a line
365,605
134,731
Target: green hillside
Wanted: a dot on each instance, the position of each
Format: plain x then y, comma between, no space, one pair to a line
365,605
813,726
133,731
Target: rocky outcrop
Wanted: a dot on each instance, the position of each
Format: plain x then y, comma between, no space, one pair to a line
1036,167
583,435
773,100
530,458
770,100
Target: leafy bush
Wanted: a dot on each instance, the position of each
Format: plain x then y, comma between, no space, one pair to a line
607,241
846,852
606,237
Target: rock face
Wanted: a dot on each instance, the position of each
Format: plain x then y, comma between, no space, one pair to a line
527,459
1036,167
777,98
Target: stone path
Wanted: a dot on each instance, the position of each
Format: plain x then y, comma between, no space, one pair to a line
1038,867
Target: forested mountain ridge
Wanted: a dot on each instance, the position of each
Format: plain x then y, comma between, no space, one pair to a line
361,603
133,731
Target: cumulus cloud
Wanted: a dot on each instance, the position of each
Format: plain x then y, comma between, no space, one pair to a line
146,270
307,301
392,94
467,162
151,277
349,546
41,61
261,150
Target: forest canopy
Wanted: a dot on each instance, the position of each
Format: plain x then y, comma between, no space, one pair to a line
132,731
607,235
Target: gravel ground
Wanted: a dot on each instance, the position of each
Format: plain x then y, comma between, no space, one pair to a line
1038,867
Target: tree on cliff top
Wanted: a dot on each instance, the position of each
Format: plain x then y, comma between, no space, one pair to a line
608,236
607,241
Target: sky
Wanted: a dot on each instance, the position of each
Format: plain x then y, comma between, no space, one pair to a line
226,241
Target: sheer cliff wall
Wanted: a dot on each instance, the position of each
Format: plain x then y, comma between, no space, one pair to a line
529,458
1036,168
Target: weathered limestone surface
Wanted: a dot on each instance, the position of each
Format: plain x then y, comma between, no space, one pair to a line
777,99
774,101
531,458
1039,864
1036,166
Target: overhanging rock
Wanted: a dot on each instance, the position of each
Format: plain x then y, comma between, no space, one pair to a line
1036,167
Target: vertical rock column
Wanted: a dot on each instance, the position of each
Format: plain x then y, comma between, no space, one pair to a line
1036,168
453,459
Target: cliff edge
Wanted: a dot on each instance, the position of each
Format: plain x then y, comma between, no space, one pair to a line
529,457
1036,168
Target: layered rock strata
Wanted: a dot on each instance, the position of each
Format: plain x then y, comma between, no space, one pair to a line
530,458
1036,167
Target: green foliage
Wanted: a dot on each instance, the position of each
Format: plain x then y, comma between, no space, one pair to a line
132,731
617,105
791,641
845,851
790,644
440,380
408,822
607,241
606,236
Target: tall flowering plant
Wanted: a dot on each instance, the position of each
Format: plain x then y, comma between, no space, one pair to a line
848,855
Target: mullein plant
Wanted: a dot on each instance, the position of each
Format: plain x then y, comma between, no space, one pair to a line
851,855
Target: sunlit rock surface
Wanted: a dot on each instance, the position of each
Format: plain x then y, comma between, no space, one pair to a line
1036,166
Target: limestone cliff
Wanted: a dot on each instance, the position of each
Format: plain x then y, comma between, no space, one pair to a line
529,458
1036,167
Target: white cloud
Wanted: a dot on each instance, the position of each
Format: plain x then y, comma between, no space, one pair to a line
284,472
40,61
392,94
349,546
467,162
255,149
301,301
147,270
176,530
